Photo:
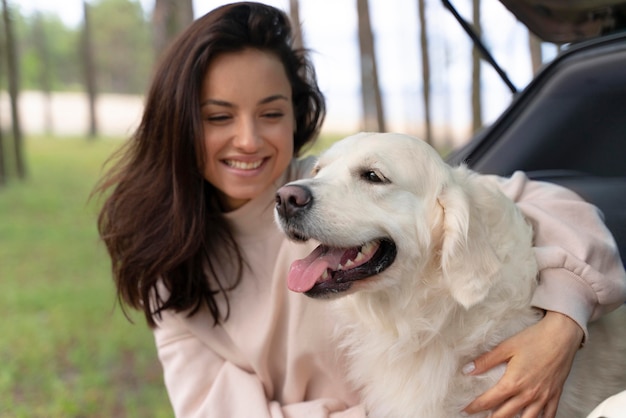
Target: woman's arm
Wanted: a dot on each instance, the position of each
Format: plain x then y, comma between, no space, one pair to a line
539,360
581,274
581,277
200,383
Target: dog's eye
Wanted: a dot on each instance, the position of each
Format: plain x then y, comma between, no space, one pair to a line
372,177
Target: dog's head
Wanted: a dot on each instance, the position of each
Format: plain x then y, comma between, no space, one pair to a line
384,208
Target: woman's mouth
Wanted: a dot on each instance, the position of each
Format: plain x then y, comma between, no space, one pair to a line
244,165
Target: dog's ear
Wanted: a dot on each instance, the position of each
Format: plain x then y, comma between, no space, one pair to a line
468,262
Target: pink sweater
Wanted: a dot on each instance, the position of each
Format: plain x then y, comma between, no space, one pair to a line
274,357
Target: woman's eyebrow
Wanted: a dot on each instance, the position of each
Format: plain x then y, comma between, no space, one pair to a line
273,98
216,102
224,103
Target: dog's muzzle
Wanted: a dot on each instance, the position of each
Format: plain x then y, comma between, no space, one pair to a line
293,200
327,270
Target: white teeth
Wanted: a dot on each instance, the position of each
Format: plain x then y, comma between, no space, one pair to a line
348,264
366,251
325,275
241,165
368,248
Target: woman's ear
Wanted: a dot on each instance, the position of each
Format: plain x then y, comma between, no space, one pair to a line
468,262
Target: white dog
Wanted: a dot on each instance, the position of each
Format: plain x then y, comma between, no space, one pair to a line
439,268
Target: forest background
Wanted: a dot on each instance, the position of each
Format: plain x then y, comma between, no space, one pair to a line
122,33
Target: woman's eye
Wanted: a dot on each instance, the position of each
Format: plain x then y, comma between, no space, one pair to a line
217,118
372,177
273,115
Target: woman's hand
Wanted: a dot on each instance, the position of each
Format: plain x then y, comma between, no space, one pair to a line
539,360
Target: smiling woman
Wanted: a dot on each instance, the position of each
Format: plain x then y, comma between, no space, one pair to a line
249,122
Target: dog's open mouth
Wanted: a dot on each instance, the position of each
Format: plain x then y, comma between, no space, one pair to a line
333,270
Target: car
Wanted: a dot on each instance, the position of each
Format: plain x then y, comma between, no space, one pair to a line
568,125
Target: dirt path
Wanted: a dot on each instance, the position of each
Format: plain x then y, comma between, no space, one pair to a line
66,113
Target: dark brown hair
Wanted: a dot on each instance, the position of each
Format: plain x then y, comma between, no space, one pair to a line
160,220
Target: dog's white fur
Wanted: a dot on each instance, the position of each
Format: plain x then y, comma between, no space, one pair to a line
461,282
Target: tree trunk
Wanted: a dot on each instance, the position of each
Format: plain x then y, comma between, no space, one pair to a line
421,7
13,77
373,115
477,119
294,12
44,75
89,71
169,18
3,170
536,58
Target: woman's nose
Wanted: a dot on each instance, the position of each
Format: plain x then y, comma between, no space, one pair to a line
247,137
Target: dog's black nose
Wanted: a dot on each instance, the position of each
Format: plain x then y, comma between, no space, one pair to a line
293,199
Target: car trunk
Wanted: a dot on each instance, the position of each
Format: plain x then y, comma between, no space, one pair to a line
566,21
567,126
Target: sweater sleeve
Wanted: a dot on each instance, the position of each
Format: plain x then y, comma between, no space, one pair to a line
581,274
200,383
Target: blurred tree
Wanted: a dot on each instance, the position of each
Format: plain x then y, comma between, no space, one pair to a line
294,13
13,81
373,115
477,111
169,18
45,78
121,48
121,41
89,70
61,43
60,60
421,7
536,57
3,171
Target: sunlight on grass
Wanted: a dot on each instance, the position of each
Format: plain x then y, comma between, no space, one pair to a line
66,349
321,144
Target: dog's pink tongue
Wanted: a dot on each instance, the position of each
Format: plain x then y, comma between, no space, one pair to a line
304,273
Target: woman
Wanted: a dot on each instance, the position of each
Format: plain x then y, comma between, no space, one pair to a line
189,227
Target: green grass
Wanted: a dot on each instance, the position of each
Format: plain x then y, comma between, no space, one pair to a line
66,350
322,143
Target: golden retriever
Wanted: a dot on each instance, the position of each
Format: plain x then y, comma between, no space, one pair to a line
429,266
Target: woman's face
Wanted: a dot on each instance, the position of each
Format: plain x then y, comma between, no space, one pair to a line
249,123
